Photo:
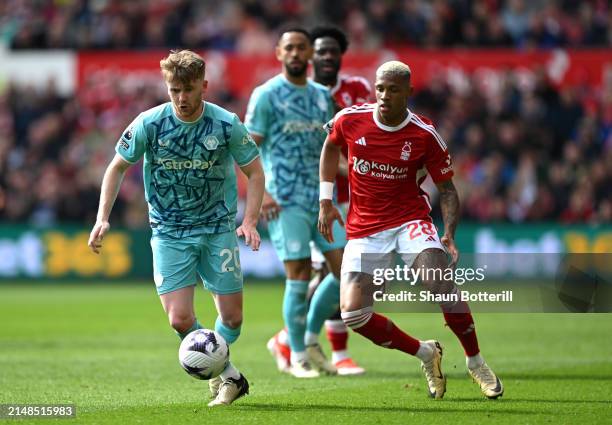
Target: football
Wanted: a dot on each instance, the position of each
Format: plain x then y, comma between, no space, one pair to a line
204,354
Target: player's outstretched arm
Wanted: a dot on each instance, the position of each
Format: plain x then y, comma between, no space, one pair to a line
255,190
449,204
328,168
110,187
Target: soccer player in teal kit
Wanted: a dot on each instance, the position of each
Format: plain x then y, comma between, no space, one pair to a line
189,148
285,116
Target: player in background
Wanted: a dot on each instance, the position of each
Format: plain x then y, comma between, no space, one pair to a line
388,146
189,148
285,116
329,43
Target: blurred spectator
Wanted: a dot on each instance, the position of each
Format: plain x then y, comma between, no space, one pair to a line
515,18
209,24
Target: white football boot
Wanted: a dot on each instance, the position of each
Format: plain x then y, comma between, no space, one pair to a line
230,390
213,386
436,381
303,369
318,359
490,385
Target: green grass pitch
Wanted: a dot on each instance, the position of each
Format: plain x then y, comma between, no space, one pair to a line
109,350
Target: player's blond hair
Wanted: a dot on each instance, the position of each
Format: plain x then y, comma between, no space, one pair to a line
184,66
395,68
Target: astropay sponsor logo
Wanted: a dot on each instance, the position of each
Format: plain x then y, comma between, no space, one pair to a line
379,169
196,164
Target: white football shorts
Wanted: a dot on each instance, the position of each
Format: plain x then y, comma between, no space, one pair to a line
412,237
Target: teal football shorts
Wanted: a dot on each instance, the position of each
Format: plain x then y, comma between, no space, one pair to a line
293,230
214,257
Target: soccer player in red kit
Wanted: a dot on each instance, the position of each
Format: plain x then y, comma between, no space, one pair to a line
329,43
388,146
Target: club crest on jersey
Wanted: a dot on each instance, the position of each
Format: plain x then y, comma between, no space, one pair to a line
211,143
406,150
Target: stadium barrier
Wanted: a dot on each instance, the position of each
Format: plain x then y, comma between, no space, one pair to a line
239,74
61,253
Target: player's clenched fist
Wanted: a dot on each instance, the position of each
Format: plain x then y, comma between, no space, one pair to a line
328,213
97,234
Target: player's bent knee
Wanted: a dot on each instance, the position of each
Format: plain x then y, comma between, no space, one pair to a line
351,300
233,322
349,305
181,323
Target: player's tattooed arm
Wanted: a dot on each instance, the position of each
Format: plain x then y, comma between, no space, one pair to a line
449,204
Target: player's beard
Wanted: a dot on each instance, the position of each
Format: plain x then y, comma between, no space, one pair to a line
327,77
297,71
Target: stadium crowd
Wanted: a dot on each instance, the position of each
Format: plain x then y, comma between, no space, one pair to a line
521,153
248,26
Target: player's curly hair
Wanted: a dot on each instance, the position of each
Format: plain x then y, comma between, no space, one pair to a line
330,31
184,66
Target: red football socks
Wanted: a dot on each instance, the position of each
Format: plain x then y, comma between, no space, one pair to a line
382,331
462,325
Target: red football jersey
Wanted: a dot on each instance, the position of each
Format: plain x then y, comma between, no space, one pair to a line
386,168
349,91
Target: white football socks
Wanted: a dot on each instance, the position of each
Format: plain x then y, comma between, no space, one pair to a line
310,338
230,372
473,362
338,356
425,352
298,356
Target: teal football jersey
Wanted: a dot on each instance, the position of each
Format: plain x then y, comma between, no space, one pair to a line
291,119
188,167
